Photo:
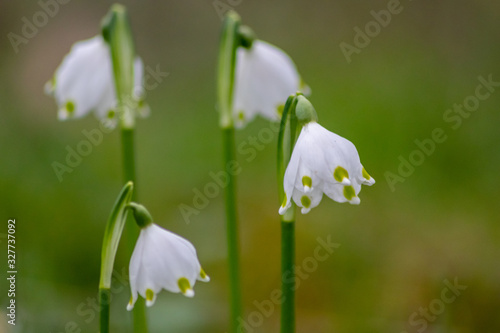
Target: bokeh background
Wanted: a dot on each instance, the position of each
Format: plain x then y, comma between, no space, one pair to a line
396,248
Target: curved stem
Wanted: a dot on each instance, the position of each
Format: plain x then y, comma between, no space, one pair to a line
112,235
286,142
117,33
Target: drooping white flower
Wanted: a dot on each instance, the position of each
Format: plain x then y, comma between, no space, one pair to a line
323,162
84,82
163,260
265,76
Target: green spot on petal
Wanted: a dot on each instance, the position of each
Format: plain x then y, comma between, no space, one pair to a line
340,173
70,107
241,115
284,201
203,275
111,114
302,84
349,192
307,181
149,295
365,174
306,202
184,285
280,109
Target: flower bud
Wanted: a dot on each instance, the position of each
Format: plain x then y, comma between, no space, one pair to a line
305,111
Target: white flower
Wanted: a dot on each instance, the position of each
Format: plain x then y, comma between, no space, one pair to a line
163,260
84,82
265,77
323,162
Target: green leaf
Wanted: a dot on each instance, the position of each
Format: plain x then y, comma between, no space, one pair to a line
112,234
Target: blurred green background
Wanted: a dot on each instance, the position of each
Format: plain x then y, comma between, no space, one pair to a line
396,248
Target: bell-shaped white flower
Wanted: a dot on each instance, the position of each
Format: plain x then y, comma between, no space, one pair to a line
323,162
163,260
84,82
265,77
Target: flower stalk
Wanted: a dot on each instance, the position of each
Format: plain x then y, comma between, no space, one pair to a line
112,235
314,163
229,42
286,140
117,33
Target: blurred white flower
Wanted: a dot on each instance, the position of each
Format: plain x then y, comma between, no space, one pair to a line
163,260
323,162
265,77
84,82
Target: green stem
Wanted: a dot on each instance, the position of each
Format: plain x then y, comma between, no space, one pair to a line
128,155
112,236
104,299
229,42
287,269
232,231
286,142
117,33
132,232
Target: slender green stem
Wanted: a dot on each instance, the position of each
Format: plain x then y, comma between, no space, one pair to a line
286,142
117,33
232,231
287,270
229,42
112,236
132,232
104,299
128,155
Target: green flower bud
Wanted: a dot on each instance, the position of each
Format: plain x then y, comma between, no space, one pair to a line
305,111
141,215
247,36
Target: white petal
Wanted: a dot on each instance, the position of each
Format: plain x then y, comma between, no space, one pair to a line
189,293
162,259
138,79
84,76
203,278
265,77
332,162
84,82
308,201
106,108
365,178
289,182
